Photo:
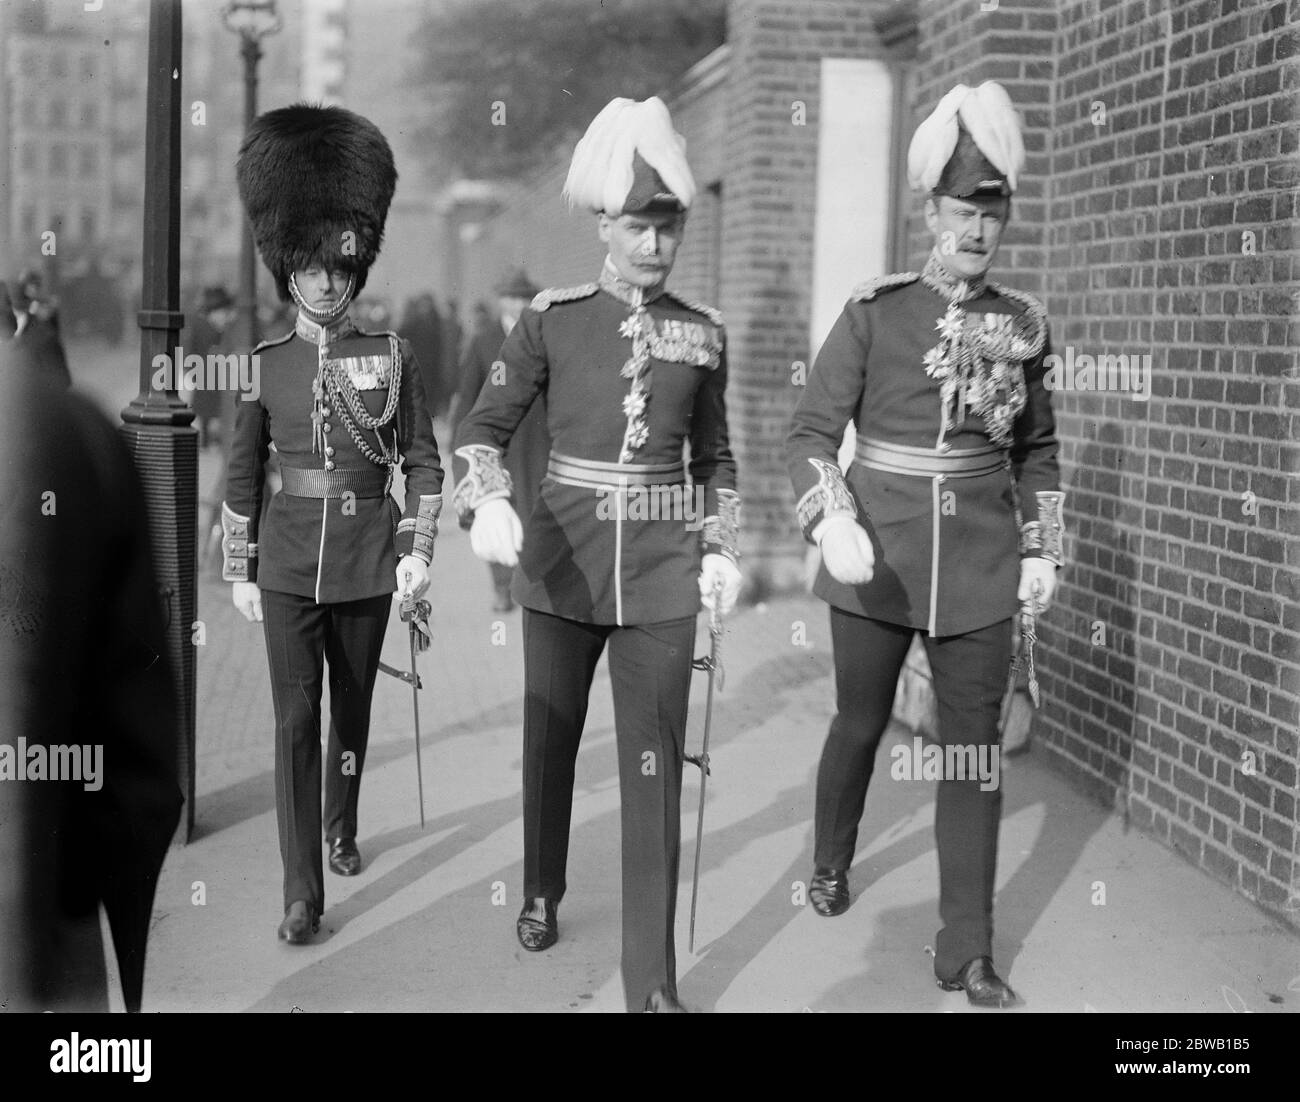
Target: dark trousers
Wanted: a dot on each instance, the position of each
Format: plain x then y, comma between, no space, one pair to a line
650,669
970,678
300,636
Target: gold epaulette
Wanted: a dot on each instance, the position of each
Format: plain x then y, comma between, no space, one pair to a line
545,299
868,289
712,313
272,342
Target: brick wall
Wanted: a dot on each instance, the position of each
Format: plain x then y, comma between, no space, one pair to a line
1161,191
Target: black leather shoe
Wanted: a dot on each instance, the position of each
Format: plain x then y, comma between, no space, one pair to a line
983,986
300,922
537,928
663,1001
829,891
345,858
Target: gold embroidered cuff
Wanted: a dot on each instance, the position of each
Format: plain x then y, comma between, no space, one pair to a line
485,480
1045,537
721,533
830,497
425,526
238,553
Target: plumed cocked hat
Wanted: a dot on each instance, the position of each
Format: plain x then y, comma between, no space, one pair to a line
316,183
631,160
970,144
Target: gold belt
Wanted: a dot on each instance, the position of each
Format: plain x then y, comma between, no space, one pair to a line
589,473
880,455
315,482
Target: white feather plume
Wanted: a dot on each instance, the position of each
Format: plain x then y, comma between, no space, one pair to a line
600,174
988,116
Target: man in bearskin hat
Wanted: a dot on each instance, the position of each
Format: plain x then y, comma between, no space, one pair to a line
341,406
630,373
942,373
530,446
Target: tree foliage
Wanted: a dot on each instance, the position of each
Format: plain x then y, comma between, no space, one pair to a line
507,82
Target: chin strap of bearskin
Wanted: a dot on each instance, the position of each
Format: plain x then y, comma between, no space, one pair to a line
721,533
486,480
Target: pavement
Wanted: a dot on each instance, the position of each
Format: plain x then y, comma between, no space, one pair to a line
1090,915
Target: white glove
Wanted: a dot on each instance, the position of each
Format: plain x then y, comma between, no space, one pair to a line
1037,570
718,568
496,534
847,552
417,570
248,599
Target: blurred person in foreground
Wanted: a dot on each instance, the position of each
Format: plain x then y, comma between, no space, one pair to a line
89,797
37,347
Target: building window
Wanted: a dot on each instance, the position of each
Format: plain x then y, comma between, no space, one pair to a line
29,66
87,226
27,158
90,116
58,159
88,66
27,223
59,64
30,112
58,114
89,160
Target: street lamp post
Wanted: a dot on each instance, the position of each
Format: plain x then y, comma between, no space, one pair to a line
157,424
252,20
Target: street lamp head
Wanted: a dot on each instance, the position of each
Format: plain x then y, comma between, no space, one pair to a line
251,19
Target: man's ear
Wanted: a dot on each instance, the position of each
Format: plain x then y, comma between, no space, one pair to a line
604,224
932,214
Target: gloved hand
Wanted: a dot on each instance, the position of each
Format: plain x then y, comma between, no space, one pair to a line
496,534
248,599
1037,570
847,551
715,568
418,570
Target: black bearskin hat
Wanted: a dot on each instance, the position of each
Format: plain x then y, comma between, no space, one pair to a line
316,183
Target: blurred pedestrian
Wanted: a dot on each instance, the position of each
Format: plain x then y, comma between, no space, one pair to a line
205,336
37,346
422,326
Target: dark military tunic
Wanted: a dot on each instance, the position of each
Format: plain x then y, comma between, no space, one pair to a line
586,556
330,549
946,547
530,446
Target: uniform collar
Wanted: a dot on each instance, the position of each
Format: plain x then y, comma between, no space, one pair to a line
316,333
621,289
935,276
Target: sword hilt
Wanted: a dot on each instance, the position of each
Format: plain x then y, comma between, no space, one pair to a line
700,761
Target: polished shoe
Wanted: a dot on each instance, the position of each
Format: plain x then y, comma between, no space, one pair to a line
983,986
345,858
829,891
663,1001
537,928
300,922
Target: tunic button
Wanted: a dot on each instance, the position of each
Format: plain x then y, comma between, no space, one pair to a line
329,464
943,478
325,411
329,450
326,426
